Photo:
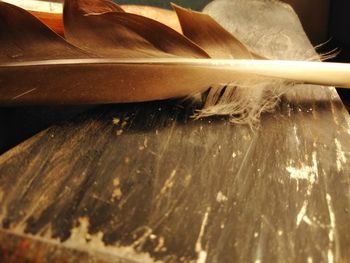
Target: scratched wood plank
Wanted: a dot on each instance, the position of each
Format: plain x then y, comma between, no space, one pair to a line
162,184
145,183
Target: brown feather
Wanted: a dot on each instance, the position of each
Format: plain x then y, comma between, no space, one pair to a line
124,35
53,20
37,66
164,16
23,37
212,37
83,7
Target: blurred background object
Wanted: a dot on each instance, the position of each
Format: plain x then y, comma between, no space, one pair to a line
339,27
314,15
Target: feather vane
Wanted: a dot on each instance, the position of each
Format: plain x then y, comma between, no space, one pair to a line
111,56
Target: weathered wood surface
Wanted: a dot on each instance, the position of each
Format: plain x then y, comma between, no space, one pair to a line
162,184
146,182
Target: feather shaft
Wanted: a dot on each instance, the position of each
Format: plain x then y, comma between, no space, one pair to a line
95,81
308,72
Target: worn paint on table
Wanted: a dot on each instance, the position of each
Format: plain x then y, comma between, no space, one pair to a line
146,182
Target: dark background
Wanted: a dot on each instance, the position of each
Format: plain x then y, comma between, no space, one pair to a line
323,20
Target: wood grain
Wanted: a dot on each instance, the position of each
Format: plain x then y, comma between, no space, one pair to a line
146,182
146,178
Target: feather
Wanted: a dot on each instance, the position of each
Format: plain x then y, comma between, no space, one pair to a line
208,34
233,99
50,13
133,80
166,17
121,34
113,56
270,28
23,37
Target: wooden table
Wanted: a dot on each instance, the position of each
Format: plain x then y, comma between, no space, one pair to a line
146,182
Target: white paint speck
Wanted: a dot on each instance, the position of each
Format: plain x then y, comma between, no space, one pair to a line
81,239
169,183
160,246
347,119
300,173
308,173
202,254
221,198
331,233
234,155
331,217
330,256
115,121
295,129
307,220
341,158
302,212
305,172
